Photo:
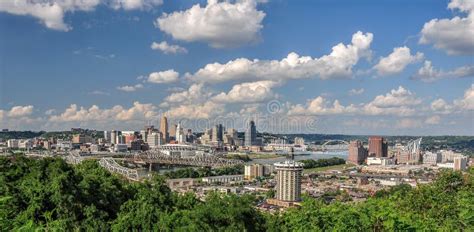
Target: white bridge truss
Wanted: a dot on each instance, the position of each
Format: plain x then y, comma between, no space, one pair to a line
157,156
335,145
72,159
111,165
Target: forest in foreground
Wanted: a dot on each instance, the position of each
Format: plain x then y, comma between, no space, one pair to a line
51,195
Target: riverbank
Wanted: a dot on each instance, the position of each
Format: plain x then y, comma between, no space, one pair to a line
251,156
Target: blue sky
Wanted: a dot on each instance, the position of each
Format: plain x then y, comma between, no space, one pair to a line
98,55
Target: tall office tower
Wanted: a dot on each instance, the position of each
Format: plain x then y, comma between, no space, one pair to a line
206,137
144,135
220,132
251,135
129,138
154,139
180,138
217,133
288,178
233,133
357,152
164,129
230,136
189,136
214,134
107,136
378,147
113,137
172,132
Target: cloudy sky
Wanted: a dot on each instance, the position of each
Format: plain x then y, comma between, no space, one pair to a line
317,66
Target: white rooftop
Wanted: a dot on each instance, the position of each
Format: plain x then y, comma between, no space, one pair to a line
289,163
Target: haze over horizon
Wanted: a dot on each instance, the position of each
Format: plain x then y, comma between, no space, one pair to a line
325,67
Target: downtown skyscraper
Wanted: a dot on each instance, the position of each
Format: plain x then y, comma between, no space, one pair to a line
164,129
251,134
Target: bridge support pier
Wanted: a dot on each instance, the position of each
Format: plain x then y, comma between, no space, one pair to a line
153,167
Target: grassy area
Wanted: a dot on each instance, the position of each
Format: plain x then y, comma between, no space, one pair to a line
334,167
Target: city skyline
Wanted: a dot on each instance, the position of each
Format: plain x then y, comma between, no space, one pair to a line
331,67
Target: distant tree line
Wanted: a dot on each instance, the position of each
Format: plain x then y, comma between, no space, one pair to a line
5,135
50,195
310,163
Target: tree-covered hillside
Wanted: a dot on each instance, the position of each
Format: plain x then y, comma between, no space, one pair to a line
49,194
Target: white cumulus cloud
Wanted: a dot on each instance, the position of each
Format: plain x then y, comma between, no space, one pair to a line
463,104
441,106
130,88
20,111
338,64
248,92
398,102
397,61
196,93
321,106
162,77
455,35
134,4
467,102
168,48
220,23
428,73
396,97
51,12
74,113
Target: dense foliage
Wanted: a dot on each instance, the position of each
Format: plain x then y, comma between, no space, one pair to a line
204,171
51,195
5,135
310,163
445,205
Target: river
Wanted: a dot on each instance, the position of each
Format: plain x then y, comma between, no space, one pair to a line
303,156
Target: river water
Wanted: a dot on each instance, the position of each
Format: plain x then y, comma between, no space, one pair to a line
303,156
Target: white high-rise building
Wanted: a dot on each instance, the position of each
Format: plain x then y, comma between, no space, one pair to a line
180,137
144,135
154,139
288,180
113,137
107,135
